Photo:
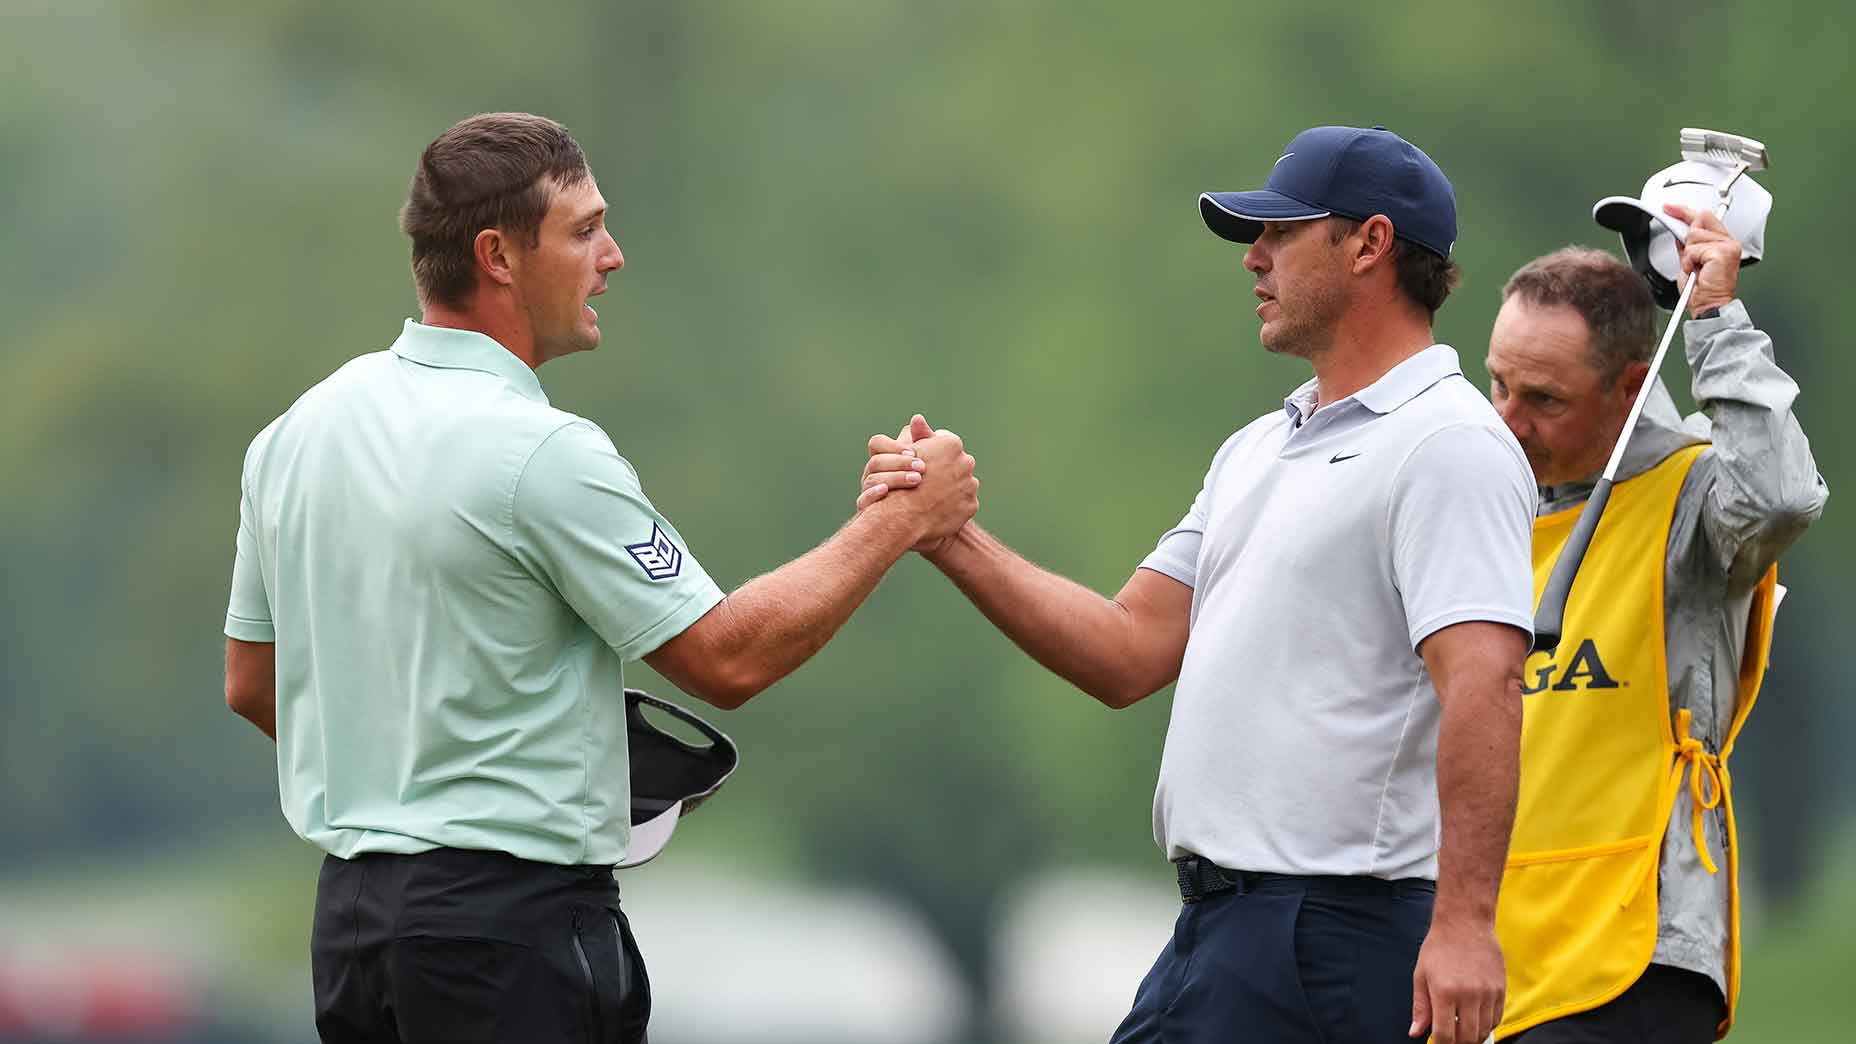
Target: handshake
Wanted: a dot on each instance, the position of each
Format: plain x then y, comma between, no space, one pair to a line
932,474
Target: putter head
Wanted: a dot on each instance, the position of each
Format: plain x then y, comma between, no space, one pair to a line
1727,150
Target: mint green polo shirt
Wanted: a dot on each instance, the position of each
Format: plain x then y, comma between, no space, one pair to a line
454,573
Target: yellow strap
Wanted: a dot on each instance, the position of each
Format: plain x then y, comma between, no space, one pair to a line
1707,789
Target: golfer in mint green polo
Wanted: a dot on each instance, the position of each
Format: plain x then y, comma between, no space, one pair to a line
439,579
497,557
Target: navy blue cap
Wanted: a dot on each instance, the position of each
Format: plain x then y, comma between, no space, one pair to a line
1353,172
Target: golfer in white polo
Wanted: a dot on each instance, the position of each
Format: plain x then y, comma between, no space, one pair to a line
1345,606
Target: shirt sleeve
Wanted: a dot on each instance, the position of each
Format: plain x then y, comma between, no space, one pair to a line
1461,532
248,614
584,526
1766,487
1177,553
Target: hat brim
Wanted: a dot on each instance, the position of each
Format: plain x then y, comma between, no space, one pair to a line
651,836
1630,218
668,775
1239,216
1627,215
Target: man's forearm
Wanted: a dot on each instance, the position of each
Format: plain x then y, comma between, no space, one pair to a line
777,621
1087,639
1478,773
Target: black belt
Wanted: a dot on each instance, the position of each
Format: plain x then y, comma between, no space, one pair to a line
1202,879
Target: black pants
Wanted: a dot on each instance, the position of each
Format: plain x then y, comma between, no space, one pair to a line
453,946
1312,960
1666,1006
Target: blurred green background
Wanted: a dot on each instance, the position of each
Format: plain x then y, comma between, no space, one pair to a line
834,212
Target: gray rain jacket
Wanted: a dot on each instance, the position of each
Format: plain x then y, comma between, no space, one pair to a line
1745,501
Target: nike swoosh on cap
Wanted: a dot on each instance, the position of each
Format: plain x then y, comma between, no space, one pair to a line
1337,458
1282,157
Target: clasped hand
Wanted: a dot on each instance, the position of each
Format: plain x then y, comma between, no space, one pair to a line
932,472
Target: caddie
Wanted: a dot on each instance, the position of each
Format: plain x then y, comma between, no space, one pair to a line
1619,908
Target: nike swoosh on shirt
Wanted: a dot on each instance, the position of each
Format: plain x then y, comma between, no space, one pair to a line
1337,458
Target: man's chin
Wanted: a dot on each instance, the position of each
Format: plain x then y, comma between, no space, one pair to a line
1549,475
585,337
581,340
1278,341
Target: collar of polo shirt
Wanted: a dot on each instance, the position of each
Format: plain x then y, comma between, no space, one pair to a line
1398,386
454,349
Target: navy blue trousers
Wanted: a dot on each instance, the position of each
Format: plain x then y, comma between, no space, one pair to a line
1288,961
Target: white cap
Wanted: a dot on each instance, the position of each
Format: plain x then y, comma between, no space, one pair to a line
669,776
649,837
1652,238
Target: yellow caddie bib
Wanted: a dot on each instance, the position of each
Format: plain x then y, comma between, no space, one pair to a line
1601,763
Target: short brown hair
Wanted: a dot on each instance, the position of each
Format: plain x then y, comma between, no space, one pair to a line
1425,277
492,170
1608,294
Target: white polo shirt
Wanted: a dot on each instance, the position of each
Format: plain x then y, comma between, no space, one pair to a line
1323,548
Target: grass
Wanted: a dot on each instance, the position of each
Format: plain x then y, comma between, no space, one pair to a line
1796,969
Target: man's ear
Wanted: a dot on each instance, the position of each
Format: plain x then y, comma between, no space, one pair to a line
492,251
1632,377
1375,243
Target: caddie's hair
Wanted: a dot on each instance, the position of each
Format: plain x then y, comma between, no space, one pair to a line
1424,277
1608,294
494,170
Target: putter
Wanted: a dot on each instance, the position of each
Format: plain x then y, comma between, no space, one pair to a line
1737,155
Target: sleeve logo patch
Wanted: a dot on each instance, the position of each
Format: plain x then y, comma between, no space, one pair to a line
658,557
